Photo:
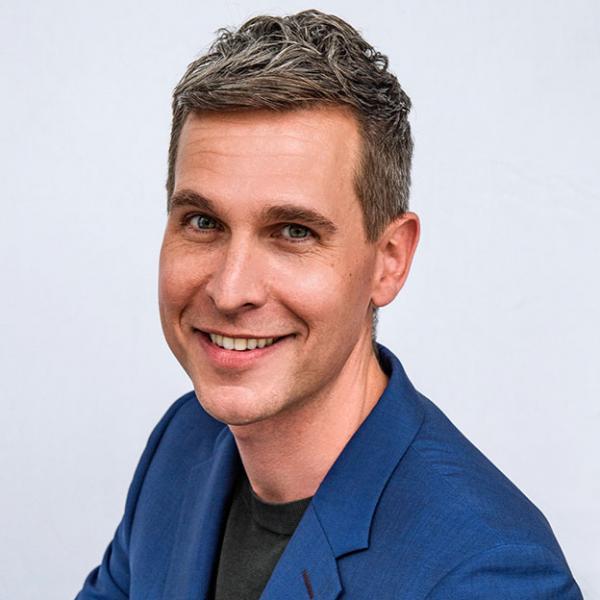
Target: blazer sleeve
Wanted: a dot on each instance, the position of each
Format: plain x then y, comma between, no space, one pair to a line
509,572
110,580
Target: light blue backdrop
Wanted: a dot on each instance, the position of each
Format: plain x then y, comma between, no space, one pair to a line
498,324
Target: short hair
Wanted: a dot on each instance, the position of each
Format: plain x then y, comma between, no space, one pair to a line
306,60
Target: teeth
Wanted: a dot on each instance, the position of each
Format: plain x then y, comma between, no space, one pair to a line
240,343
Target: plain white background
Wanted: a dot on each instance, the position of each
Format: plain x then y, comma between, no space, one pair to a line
498,323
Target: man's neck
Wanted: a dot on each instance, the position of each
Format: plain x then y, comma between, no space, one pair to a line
288,456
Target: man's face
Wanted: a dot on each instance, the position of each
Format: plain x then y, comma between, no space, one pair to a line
265,240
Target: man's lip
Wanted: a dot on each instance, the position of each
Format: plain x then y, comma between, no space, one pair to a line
227,361
248,336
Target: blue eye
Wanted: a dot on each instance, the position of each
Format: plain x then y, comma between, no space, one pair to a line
297,232
202,222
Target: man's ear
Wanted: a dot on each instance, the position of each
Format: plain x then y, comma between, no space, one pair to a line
395,250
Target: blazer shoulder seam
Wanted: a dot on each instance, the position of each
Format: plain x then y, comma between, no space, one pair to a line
490,550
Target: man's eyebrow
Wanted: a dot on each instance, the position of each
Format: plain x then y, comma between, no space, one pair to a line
291,213
188,197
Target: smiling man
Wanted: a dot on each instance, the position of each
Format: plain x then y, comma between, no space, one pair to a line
304,464
266,283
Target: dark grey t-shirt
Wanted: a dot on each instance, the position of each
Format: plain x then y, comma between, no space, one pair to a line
255,536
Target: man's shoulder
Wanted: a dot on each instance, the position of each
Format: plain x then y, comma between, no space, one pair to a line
458,498
446,509
184,437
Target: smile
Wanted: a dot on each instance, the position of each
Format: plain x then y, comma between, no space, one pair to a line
240,344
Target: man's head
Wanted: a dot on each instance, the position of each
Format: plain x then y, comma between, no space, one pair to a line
303,60
269,234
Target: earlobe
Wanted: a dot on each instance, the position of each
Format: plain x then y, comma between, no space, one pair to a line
396,248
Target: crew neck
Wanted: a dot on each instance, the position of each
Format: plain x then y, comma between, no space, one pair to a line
277,517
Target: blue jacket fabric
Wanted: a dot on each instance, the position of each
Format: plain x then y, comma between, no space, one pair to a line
409,510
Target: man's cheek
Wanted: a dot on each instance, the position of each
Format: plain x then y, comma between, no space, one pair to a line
312,284
179,278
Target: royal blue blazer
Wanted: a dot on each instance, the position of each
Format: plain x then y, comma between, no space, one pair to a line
409,510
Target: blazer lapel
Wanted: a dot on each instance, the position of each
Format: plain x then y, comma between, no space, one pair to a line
201,519
348,496
338,519
307,568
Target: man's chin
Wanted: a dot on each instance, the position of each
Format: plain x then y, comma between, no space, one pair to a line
235,407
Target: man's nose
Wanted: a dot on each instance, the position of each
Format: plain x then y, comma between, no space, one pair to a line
237,281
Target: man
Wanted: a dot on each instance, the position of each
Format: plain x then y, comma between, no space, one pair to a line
304,464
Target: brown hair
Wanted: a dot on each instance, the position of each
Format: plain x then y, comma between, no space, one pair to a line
298,61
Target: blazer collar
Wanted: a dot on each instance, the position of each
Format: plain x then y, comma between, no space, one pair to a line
338,519
346,499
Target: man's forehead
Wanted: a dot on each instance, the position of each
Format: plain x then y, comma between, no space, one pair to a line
296,156
335,125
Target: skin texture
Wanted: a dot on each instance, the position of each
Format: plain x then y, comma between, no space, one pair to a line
229,266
